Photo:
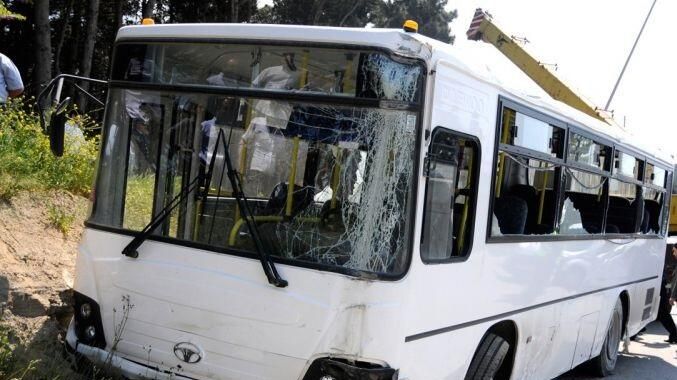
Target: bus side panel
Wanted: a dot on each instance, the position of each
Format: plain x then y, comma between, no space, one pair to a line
440,294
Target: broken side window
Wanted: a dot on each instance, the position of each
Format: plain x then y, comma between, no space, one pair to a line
450,196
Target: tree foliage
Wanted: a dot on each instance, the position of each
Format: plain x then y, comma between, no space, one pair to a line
433,20
6,15
76,46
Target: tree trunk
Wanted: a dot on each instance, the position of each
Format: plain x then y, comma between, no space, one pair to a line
118,14
350,12
233,10
319,8
61,37
43,46
148,8
88,47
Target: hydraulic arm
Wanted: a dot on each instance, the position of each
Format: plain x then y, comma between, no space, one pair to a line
483,28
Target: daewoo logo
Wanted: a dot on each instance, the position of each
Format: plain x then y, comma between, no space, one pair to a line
187,352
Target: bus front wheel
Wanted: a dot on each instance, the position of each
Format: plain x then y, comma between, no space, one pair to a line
488,358
604,364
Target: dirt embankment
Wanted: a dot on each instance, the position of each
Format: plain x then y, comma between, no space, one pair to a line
39,234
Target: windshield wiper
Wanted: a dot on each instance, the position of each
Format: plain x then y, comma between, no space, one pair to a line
274,278
269,269
131,250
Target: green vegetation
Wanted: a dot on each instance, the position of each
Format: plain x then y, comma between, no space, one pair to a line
5,14
27,164
138,201
60,218
16,364
44,359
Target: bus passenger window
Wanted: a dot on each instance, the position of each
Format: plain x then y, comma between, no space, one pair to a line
585,151
625,207
626,165
653,207
524,131
526,195
450,197
653,193
582,211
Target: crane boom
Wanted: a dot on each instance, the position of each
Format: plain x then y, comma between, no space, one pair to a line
482,28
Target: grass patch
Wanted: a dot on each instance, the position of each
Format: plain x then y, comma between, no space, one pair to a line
60,219
138,201
26,162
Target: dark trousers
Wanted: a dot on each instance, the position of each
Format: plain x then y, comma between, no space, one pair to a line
664,316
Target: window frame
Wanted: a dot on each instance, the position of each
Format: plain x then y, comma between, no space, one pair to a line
504,102
472,219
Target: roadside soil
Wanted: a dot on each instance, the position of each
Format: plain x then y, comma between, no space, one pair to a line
37,263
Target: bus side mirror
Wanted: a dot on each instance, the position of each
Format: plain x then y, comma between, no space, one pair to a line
57,126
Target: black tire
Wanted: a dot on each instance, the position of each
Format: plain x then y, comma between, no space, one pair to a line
604,364
488,358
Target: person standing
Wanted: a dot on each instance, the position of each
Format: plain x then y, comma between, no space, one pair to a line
668,296
11,85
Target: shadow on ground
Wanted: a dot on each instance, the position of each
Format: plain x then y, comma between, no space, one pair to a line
649,357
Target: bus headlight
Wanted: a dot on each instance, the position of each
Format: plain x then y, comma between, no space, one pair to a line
85,310
87,321
90,332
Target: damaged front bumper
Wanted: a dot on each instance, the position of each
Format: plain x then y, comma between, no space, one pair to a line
117,364
321,369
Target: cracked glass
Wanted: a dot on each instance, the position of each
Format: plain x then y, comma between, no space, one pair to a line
327,183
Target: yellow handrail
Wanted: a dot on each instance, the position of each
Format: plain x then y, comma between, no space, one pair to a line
466,207
335,179
508,116
232,237
292,178
542,195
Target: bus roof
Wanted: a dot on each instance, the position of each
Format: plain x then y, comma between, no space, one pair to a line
410,44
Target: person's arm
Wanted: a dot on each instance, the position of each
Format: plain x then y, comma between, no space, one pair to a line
15,86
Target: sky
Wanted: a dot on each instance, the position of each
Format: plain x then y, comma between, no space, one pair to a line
589,41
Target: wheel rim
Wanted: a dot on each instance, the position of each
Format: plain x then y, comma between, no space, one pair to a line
613,339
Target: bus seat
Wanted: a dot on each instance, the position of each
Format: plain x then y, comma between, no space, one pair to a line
511,212
532,198
654,209
621,213
590,208
644,227
302,197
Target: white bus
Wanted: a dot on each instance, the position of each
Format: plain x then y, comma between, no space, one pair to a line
315,203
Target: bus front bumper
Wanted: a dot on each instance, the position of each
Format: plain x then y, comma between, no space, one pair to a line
115,363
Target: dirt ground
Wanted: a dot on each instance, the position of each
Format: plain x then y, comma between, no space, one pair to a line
36,267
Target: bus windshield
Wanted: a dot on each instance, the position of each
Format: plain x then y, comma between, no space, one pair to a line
328,180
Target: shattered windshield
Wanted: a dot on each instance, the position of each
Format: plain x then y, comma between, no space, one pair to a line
328,184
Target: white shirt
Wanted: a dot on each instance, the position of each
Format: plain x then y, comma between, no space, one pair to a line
10,78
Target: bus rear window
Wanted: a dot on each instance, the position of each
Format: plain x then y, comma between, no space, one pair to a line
339,72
